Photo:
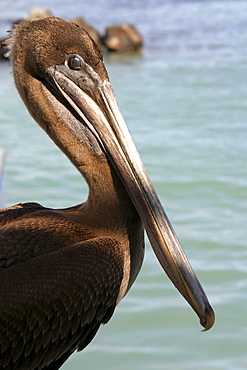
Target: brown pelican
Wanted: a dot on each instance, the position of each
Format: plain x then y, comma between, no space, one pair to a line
64,271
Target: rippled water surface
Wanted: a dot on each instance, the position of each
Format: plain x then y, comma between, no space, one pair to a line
184,100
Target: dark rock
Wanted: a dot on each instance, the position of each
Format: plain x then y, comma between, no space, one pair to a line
38,13
123,38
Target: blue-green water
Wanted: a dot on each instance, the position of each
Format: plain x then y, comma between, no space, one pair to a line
185,102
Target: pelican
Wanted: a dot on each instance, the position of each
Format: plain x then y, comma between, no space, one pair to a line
63,271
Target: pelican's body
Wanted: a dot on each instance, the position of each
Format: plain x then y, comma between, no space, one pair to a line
62,272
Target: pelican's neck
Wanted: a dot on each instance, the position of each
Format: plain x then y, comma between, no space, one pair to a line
108,201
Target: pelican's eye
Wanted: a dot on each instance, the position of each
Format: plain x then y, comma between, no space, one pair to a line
75,62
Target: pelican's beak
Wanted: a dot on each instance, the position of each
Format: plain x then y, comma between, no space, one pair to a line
95,102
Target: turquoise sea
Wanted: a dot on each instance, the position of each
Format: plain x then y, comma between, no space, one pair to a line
184,99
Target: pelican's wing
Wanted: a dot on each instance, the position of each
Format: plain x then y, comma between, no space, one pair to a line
9,214
53,304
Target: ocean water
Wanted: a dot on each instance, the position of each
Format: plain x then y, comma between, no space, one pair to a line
185,102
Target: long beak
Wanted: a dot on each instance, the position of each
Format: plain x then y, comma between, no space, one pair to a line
96,105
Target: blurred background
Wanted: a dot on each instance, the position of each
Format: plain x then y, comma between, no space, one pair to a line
183,96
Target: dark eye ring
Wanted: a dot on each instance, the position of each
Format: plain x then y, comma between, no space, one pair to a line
75,63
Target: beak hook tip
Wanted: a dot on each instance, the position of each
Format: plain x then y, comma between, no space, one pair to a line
209,319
